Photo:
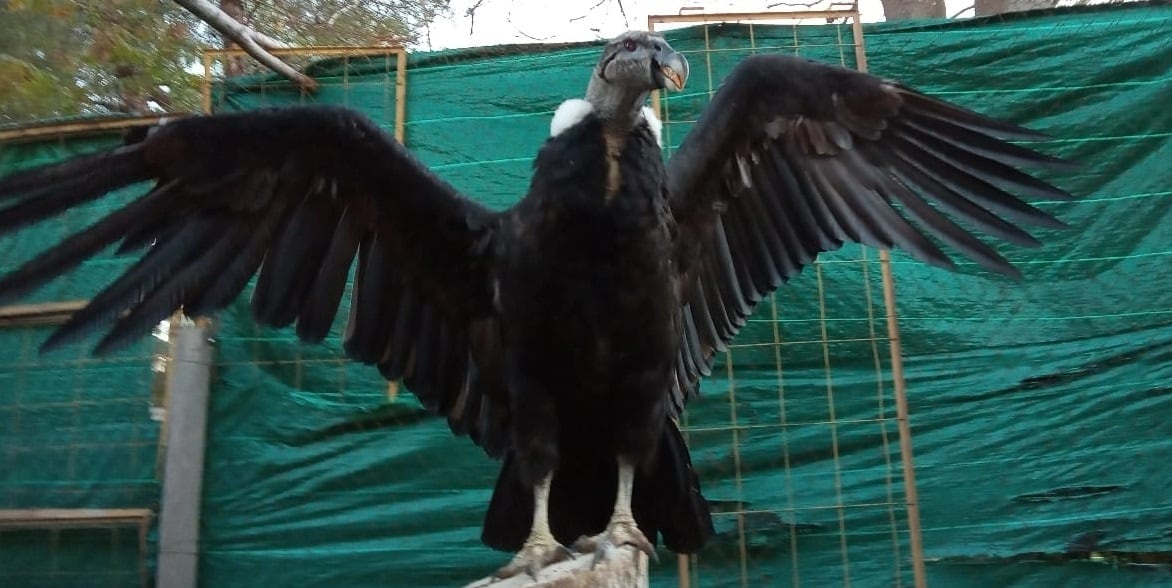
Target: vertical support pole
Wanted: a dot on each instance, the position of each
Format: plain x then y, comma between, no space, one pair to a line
682,562
205,85
401,96
899,384
654,97
912,499
189,381
401,137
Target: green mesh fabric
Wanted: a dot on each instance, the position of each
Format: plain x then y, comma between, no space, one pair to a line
75,432
1038,408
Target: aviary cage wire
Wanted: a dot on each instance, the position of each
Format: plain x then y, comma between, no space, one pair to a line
775,334
878,299
394,64
79,435
801,326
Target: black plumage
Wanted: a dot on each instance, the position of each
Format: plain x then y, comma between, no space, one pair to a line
565,334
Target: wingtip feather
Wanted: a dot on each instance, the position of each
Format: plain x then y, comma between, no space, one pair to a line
961,116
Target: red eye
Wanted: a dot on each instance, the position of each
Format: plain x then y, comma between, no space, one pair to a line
630,45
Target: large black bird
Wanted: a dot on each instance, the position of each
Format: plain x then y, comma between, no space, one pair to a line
564,334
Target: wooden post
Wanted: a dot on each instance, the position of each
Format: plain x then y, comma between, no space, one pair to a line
626,568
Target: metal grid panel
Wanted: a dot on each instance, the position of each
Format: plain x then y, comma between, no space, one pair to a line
874,335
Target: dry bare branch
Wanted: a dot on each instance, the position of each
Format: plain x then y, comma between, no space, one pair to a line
251,41
963,10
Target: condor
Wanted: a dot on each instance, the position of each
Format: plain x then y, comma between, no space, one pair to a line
562,335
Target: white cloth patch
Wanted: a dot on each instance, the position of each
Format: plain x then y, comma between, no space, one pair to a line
570,113
654,123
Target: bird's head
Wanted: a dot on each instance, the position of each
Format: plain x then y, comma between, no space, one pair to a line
632,65
641,61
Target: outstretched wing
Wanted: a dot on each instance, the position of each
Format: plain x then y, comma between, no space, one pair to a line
297,194
793,157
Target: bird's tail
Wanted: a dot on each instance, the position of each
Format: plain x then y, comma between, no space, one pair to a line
668,497
667,502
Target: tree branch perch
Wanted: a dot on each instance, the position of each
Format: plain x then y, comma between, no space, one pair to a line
253,42
625,568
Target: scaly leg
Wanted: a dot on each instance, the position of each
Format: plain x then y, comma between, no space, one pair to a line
540,549
622,529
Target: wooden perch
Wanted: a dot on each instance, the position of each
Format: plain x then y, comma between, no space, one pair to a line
626,568
253,42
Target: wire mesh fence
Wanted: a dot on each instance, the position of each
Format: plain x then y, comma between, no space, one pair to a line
1037,406
78,447
1030,420
78,435
804,513
765,439
740,431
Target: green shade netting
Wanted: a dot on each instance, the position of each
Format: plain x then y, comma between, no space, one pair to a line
1039,409
75,432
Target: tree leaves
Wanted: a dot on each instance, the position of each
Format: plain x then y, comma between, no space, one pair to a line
344,22
61,58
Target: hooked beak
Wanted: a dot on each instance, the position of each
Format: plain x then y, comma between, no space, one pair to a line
674,68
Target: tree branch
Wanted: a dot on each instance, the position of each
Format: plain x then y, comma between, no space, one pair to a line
251,41
963,10
625,567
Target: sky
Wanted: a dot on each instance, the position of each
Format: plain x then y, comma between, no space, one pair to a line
529,21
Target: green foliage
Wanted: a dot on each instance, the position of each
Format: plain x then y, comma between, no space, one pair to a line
60,58
63,57
343,22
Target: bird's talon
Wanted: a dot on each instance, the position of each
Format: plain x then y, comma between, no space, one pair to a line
617,534
533,558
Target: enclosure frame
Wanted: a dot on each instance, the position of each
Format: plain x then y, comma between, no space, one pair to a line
86,518
210,56
400,53
899,384
911,502
14,316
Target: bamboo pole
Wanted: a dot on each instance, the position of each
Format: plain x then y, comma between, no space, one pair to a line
205,85
401,136
906,451
911,496
313,50
915,537
401,97
45,313
117,123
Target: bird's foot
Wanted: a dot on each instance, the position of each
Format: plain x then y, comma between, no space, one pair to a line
536,554
618,533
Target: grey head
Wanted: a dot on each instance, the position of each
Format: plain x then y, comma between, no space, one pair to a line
632,65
